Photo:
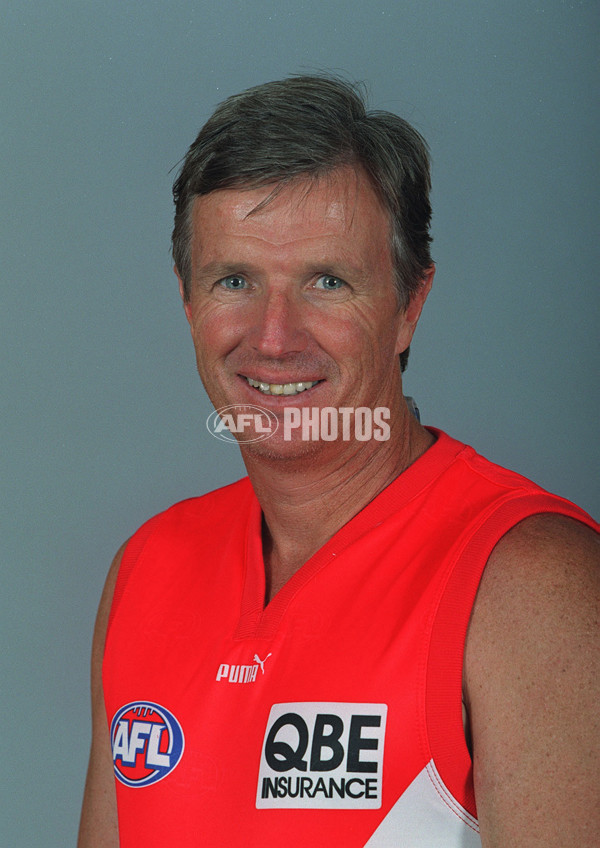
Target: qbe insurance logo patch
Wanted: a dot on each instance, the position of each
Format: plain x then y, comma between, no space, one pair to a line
147,743
322,755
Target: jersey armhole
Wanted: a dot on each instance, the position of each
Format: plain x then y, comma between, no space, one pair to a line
443,690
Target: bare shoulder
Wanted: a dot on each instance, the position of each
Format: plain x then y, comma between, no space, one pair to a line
548,561
543,573
531,677
106,604
98,827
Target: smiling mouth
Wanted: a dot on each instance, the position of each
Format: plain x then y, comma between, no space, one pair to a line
281,388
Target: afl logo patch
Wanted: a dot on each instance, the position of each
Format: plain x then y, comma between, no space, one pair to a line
147,743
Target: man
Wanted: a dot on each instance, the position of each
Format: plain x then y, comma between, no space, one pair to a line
315,654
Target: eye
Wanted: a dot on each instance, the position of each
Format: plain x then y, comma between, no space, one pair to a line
233,283
327,282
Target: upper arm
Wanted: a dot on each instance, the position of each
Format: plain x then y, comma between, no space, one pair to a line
98,827
532,673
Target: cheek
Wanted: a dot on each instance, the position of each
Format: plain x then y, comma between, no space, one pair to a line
364,336
212,332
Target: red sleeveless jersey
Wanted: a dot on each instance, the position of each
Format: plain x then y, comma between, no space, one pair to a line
330,717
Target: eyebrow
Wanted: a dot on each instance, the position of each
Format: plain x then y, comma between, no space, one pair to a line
220,268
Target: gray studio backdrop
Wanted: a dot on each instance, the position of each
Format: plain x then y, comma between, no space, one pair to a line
103,416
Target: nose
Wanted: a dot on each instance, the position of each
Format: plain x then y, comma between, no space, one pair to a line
278,327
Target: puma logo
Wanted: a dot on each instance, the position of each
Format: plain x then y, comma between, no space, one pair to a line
260,662
241,673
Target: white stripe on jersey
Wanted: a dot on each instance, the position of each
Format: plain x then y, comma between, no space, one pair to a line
427,816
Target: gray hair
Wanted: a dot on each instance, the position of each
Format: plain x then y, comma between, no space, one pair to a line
307,126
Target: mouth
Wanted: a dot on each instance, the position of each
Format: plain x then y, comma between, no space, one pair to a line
288,389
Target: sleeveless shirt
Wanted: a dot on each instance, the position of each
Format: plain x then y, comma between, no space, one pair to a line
330,717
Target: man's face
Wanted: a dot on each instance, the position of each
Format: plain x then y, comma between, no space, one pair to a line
293,303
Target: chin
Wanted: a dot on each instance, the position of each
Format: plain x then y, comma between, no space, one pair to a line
279,450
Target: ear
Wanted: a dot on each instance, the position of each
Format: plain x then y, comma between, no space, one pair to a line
412,313
187,307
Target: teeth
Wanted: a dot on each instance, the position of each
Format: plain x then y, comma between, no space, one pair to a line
281,388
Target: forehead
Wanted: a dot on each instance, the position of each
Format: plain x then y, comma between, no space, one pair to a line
340,207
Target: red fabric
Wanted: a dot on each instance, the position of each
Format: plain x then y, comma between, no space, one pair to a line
377,616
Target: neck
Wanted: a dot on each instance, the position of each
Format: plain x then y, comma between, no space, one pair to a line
306,499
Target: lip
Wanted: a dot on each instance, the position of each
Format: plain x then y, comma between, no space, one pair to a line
280,379
279,401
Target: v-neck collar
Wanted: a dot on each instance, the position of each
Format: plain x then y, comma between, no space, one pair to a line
256,620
